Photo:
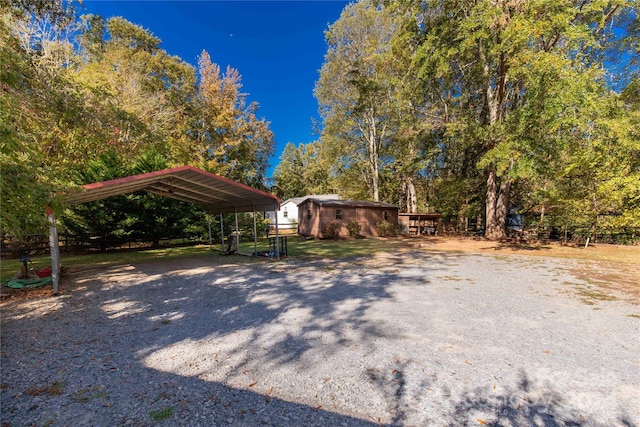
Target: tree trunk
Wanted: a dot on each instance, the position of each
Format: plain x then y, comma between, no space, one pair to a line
497,199
373,154
412,199
375,183
490,208
502,208
497,207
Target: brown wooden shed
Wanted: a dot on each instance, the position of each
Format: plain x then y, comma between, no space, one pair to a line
314,213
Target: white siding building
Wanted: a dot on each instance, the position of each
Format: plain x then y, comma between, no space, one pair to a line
288,213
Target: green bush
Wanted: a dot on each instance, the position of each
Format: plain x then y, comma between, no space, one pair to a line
331,230
354,228
385,229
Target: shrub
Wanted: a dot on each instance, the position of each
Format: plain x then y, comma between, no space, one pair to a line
385,228
331,230
354,228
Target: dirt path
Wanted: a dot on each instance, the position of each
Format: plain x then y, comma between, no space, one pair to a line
608,268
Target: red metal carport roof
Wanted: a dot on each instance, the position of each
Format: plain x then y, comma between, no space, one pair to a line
215,193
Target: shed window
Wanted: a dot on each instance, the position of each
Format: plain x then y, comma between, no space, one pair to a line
308,213
385,216
285,213
338,213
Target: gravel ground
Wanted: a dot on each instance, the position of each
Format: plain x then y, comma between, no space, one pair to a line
417,338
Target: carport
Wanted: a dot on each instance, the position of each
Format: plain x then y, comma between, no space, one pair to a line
216,194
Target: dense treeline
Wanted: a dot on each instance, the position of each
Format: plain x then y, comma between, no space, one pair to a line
85,99
472,108
476,108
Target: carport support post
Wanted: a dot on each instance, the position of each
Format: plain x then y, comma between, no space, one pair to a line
210,238
222,231
237,235
277,237
255,234
55,250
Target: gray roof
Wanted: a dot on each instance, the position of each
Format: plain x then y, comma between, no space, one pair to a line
351,203
298,200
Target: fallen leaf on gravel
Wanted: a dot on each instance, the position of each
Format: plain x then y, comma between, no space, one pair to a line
468,363
394,371
270,390
483,422
253,383
378,420
319,406
546,351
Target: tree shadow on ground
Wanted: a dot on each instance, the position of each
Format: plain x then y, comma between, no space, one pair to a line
127,324
524,404
206,341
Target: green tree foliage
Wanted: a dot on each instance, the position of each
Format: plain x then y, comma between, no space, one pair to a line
290,173
78,91
35,101
513,75
145,91
106,220
303,170
599,187
511,98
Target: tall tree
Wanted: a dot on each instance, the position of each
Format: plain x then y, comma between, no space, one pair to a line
235,143
38,102
356,94
305,169
147,91
503,68
599,187
289,175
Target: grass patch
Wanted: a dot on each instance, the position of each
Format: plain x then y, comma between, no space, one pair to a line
345,248
589,295
161,414
89,393
9,267
330,249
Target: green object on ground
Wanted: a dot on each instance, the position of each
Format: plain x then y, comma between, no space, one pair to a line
28,283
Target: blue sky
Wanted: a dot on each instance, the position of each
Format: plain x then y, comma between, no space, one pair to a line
277,46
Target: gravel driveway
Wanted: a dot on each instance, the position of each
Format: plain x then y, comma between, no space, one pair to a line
418,338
